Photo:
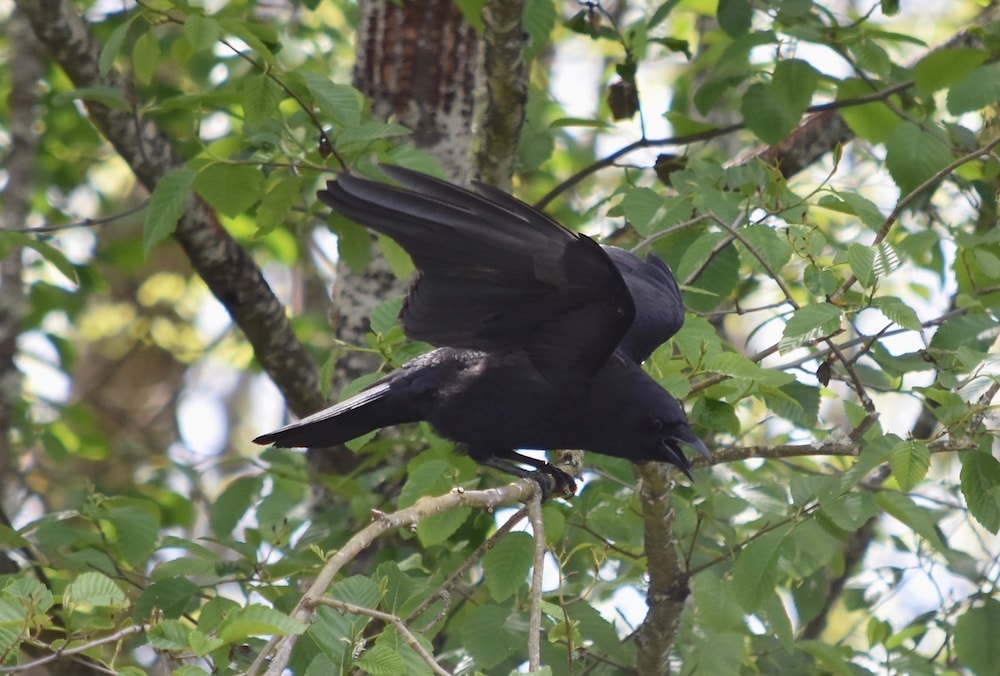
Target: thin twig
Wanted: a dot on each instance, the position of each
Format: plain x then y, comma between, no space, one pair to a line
535,613
76,650
388,618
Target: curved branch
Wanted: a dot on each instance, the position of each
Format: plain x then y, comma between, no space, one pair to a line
382,523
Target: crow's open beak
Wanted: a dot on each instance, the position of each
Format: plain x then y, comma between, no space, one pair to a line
694,442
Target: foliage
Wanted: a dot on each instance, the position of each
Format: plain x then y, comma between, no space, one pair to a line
839,353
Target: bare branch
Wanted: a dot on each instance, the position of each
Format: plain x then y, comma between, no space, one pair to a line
58,653
535,617
736,454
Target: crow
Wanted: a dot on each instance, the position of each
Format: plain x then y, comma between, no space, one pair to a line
541,333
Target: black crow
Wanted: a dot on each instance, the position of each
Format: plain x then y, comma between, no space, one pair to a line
541,329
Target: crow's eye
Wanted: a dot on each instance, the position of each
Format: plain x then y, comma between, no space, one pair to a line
655,424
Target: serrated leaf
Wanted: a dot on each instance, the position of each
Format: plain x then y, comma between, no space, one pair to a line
169,635
538,20
202,31
136,527
145,57
716,601
230,189
766,243
436,529
978,89
277,203
166,206
371,131
773,110
260,97
755,573
808,324
897,311
385,314
506,566
975,638
944,67
113,46
980,478
233,503
914,154
339,102
94,589
737,366
256,619
649,212
857,205
485,635
862,261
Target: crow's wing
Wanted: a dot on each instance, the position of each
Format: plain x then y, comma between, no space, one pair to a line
659,308
494,273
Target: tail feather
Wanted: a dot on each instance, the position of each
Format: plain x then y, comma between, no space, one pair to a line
368,410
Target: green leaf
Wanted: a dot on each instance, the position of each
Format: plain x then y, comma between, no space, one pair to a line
862,261
113,46
852,203
716,600
910,461
202,31
340,103
944,67
734,17
755,573
12,622
277,203
485,635
775,250
981,487
166,206
795,402
737,366
810,323
538,19
897,311
136,527
772,111
506,566
169,635
975,638
260,99
145,57
385,315
94,589
907,512
251,33
230,189
872,121
233,503
977,90
371,131
256,619
915,154
649,212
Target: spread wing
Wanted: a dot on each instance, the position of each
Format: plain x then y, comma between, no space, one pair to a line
659,308
494,274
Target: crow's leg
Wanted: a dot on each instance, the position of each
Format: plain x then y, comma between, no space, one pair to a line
548,477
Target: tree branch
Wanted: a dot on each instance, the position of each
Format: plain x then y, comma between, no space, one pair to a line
535,614
230,273
382,523
389,618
